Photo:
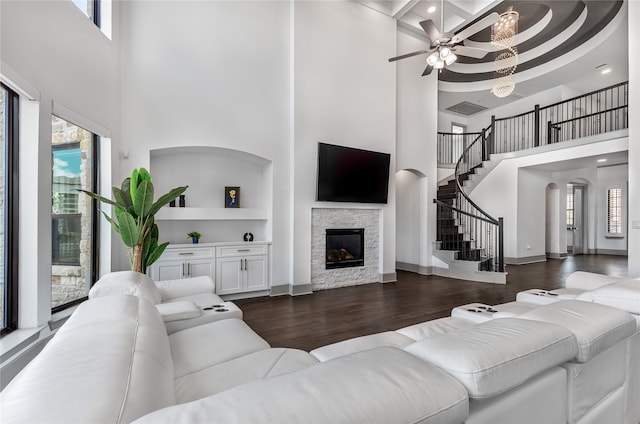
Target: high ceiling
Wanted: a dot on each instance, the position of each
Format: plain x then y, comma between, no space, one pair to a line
560,43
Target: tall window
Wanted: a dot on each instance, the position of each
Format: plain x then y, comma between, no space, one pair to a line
9,208
614,211
74,236
91,8
570,206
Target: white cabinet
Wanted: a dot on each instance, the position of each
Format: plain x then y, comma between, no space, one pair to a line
235,268
184,262
242,268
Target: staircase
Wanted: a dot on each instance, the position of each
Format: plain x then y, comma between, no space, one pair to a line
451,233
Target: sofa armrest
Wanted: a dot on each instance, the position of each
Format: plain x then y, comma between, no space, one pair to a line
173,289
589,280
175,311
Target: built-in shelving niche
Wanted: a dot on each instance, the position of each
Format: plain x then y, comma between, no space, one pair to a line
207,170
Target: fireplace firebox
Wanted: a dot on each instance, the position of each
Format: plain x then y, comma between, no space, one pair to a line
345,247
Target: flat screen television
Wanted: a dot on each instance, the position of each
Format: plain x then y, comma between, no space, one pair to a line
346,174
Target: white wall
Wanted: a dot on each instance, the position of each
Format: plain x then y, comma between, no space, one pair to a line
212,74
408,217
59,57
552,221
417,126
634,137
344,93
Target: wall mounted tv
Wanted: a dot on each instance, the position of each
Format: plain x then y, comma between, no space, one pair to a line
346,174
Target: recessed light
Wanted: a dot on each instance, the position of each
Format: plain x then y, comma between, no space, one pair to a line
605,71
431,9
602,160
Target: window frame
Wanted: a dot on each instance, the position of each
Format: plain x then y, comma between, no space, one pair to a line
570,210
11,211
95,210
620,214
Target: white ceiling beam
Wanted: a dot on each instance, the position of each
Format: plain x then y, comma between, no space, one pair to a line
400,8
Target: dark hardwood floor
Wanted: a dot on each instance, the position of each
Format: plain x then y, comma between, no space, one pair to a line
328,316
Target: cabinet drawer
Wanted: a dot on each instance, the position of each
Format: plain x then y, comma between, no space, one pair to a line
241,250
188,253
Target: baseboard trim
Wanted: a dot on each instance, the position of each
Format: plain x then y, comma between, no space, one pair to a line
391,277
525,260
553,255
614,252
300,289
418,269
280,290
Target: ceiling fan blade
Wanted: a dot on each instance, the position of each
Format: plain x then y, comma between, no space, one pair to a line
432,31
427,70
477,27
404,56
470,52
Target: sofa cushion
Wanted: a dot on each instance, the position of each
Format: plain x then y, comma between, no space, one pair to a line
431,328
245,369
358,344
497,355
205,345
174,289
128,283
597,327
623,295
382,385
109,363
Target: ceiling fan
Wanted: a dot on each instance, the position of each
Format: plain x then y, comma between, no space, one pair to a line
445,46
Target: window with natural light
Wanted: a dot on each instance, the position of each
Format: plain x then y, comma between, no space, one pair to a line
73,213
570,209
91,8
8,208
614,211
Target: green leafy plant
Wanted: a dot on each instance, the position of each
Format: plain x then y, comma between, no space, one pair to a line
135,211
194,234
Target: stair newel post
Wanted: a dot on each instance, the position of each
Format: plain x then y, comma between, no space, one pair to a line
536,130
484,145
492,140
500,245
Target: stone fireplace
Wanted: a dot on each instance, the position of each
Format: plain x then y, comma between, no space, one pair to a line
357,229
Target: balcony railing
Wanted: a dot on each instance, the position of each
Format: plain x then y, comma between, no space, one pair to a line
582,116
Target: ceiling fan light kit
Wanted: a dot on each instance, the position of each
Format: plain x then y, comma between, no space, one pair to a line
444,46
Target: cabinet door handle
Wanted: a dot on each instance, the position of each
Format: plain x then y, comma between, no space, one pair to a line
245,264
188,269
185,253
241,265
183,269
243,250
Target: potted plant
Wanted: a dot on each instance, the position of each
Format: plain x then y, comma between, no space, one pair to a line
194,235
135,211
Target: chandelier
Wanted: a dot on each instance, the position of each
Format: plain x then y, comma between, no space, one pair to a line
503,35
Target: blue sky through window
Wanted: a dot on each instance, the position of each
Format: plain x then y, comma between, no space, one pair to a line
82,5
66,162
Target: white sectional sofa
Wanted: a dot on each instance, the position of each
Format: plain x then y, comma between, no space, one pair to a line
115,362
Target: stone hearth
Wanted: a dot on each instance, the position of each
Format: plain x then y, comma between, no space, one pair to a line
323,218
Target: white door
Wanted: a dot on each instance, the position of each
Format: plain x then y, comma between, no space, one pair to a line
257,272
229,275
168,270
200,267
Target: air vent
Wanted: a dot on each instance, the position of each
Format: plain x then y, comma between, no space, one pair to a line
466,108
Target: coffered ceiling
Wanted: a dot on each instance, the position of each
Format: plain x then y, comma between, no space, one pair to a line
560,43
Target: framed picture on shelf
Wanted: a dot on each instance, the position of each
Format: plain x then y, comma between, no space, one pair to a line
232,197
